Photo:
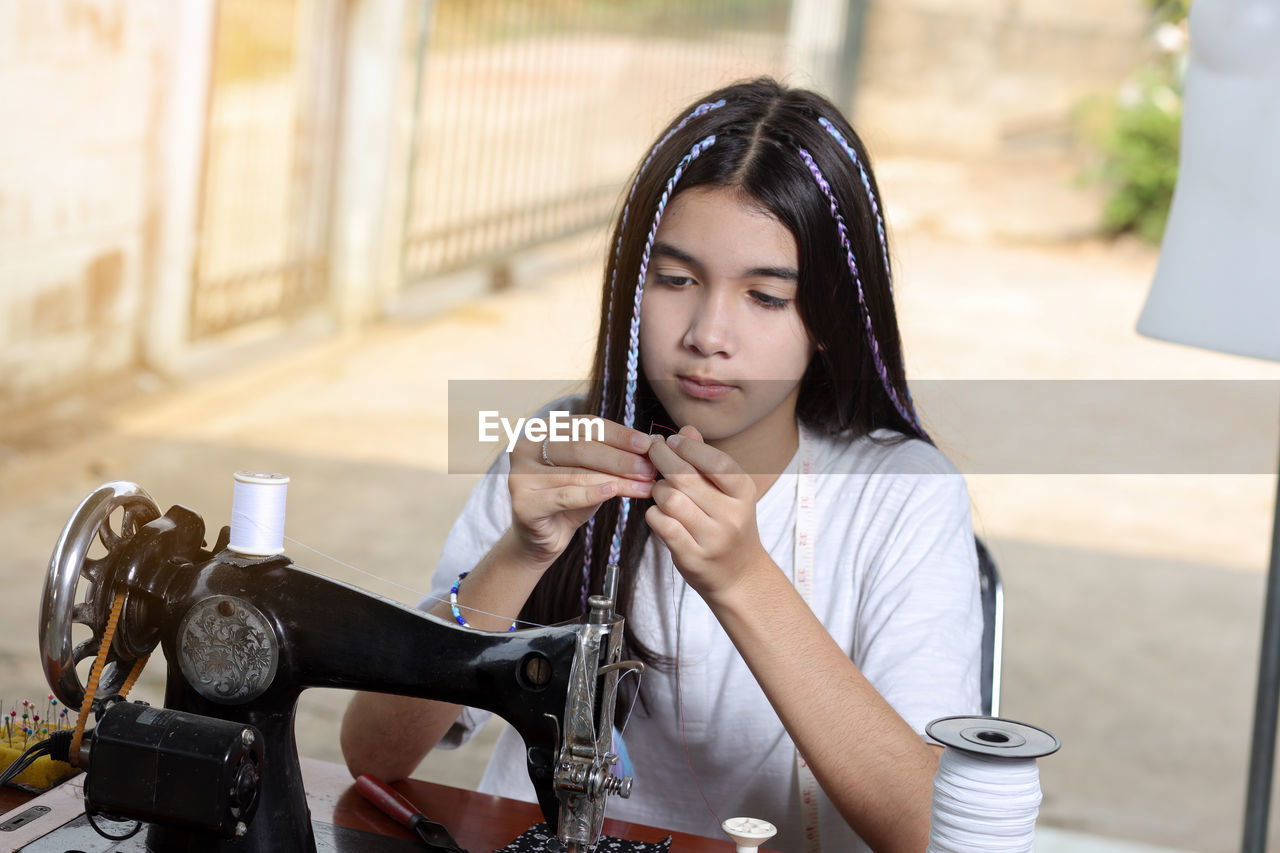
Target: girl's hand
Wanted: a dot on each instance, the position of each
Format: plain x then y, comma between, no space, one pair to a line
550,502
704,510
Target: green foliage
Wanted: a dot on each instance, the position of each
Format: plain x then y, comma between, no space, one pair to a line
1141,161
1137,135
1172,11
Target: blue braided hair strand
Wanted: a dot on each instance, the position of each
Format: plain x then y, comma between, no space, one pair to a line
700,110
633,348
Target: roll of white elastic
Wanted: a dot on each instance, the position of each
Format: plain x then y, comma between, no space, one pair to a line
983,804
986,794
257,513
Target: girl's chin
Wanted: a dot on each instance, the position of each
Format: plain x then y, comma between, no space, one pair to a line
711,425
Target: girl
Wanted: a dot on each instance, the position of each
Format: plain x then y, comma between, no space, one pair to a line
797,561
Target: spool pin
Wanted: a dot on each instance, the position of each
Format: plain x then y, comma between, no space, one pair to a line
748,832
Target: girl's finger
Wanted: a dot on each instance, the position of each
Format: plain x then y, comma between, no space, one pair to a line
597,456
621,451
554,478
682,474
678,506
715,465
621,437
551,501
613,434
669,530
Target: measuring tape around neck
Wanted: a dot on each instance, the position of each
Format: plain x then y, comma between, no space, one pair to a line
802,571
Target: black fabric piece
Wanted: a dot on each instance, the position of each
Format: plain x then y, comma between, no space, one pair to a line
542,839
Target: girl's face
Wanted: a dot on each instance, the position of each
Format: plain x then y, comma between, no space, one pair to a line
721,340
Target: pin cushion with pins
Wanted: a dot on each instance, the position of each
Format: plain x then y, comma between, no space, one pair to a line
23,727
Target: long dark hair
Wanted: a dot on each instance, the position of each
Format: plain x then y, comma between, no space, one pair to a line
792,153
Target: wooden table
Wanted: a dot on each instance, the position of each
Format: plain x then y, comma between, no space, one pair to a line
11,798
479,822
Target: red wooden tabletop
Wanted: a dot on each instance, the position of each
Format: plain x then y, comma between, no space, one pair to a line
477,821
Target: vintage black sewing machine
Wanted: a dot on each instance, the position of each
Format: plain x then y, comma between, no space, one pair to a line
244,636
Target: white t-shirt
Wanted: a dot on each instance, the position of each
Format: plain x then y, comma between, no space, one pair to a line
895,583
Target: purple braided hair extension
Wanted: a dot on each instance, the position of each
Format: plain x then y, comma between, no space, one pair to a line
586,561
871,196
633,348
875,209
906,413
700,110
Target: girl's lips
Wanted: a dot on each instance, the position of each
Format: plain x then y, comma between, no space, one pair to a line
703,390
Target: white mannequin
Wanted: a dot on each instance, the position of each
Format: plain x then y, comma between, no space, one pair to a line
1218,281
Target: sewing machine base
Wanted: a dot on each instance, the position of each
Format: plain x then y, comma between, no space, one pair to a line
79,835
480,822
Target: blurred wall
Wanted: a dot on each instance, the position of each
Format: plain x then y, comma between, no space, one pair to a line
182,177
80,105
978,76
175,174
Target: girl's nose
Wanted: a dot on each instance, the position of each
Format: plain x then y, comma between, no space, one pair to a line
710,327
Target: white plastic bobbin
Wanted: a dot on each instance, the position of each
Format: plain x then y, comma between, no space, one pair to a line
748,832
257,513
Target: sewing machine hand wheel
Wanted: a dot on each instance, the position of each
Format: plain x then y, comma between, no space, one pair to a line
68,564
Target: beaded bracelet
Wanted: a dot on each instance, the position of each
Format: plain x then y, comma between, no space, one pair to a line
453,603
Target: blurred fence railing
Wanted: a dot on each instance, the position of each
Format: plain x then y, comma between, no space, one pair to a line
530,116
268,162
526,118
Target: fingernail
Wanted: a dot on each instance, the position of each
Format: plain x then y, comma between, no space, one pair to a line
640,442
673,441
604,490
643,489
643,468
655,439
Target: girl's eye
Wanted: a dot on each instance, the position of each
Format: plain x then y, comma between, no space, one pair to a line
674,280
764,300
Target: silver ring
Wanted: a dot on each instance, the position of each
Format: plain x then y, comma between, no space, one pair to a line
546,460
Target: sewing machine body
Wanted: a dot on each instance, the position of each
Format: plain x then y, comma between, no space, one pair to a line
244,636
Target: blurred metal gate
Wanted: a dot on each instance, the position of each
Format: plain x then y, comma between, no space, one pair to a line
268,162
529,116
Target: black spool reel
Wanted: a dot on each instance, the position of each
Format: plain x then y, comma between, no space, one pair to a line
994,737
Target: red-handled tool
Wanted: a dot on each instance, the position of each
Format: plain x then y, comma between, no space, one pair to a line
405,813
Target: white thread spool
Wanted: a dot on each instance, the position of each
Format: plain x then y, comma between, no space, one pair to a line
986,793
257,513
